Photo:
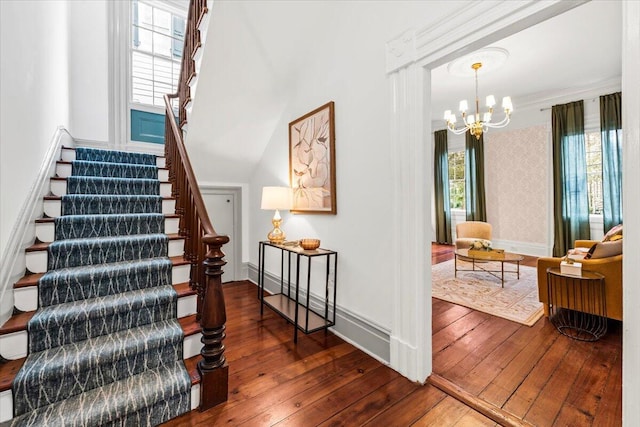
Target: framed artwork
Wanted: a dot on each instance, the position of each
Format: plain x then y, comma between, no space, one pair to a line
312,161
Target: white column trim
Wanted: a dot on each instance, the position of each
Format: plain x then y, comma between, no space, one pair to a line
631,209
118,28
409,59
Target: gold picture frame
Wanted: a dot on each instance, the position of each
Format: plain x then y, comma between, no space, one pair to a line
312,161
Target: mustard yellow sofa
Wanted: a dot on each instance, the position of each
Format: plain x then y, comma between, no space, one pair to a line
609,267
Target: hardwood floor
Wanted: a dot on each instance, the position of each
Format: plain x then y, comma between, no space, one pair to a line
534,373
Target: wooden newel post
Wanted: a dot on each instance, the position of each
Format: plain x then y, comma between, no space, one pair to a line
213,368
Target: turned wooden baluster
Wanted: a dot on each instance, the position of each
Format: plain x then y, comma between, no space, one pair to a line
213,369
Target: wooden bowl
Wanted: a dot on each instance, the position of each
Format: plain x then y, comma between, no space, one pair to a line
310,244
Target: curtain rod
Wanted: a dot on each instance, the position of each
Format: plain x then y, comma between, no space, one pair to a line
586,100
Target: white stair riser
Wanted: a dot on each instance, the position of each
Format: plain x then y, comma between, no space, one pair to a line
63,170
37,260
6,405
45,231
59,188
70,156
26,299
195,396
6,397
53,208
15,345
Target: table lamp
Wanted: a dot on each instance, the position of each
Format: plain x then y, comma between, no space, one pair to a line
276,198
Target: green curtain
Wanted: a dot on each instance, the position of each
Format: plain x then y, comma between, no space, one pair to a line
441,188
611,132
474,195
570,196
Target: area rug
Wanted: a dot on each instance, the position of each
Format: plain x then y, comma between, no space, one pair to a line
517,301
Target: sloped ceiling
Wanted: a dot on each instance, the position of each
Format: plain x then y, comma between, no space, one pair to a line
244,84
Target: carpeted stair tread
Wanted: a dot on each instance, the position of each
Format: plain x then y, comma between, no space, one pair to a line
65,371
113,170
112,156
61,324
77,283
88,226
157,395
99,185
103,250
81,204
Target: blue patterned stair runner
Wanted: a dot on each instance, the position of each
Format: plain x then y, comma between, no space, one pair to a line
113,170
105,347
80,204
87,226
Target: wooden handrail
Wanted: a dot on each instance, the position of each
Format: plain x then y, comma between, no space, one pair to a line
203,246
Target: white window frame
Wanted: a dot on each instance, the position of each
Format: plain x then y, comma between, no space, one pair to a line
119,31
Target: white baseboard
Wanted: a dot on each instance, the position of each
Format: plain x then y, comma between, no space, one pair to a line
524,248
23,232
362,333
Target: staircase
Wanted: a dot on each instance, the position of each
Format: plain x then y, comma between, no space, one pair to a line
108,313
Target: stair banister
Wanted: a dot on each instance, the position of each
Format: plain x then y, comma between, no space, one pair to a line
203,246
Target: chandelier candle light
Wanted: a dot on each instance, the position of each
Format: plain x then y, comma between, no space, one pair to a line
473,123
276,198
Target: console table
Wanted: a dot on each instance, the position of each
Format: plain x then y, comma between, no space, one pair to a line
577,304
287,302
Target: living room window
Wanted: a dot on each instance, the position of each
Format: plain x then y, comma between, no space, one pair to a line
456,179
593,148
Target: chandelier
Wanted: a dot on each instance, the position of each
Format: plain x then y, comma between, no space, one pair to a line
474,123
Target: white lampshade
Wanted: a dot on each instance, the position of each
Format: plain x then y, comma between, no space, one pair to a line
491,101
506,103
486,117
276,198
447,115
464,106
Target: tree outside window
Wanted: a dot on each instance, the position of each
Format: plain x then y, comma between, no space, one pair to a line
456,179
593,149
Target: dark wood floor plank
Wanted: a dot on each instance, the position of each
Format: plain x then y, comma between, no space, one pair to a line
477,371
278,412
501,388
372,404
609,412
457,329
336,400
410,409
247,401
528,391
446,413
588,388
480,341
549,402
448,315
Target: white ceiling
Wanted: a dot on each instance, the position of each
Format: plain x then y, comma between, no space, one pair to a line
577,49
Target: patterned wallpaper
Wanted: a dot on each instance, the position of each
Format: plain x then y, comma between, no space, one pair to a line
517,187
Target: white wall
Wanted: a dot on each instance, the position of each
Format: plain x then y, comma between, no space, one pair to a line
345,64
34,87
88,70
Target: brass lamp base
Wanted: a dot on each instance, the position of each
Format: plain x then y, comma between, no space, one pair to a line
276,235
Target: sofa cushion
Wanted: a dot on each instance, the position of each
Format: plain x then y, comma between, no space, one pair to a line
614,234
605,249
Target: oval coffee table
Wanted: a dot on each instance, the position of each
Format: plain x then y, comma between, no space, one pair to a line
500,257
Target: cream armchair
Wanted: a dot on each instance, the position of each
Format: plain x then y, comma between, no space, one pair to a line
470,231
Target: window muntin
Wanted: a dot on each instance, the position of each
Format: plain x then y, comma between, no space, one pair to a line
156,52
